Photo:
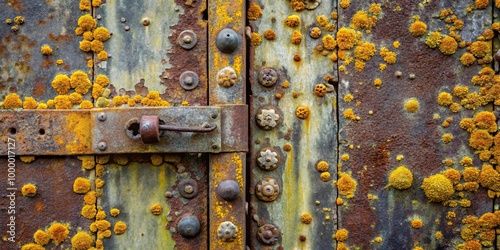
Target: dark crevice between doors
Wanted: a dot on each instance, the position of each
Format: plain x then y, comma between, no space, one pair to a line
204,16
248,172
337,107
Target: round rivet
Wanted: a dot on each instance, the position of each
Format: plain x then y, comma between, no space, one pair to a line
267,189
268,77
214,116
168,194
102,146
267,118
268,234
188,188
187,39
227,77
101,116
188,226
189,80
127,28
123,19
227,41
228,189
146,21
268,159
227,231
99,17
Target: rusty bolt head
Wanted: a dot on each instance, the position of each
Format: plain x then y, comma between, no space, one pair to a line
268,159
227,77
146,21
228,190
188,226
268,234
102,146
267,189
268,77
188,188
189,80
227,41
302,237
227,231
267,118
101,116
187,39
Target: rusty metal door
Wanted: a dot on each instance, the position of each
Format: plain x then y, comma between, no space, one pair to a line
80,82
374,124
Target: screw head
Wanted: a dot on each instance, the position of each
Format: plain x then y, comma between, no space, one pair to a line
227,41
188,80
101,116
188,226
188,188
214,116
127,28
227,231
187,39
123,19
102,146
229,190
267,189
268,77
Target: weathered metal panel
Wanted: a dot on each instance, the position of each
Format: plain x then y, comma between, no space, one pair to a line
54,201
24,69
305,132
144,51
398,122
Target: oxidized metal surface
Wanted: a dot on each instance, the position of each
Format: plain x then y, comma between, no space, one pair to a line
234,128
149,58
54,201
302,142
388,128
134,185
24,69
47,132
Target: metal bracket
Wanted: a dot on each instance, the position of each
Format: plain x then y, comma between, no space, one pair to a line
115,131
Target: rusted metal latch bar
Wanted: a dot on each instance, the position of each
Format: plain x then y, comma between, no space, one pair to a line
211,129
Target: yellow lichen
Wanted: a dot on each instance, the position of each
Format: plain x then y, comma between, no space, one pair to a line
79,80
444,99
400,178
58,232
437,188
62,102
254,11
348,98
471,174
292,21
86,22
448,45
28,190
447,138
364,51
346,38
453,175
345,157
296,37
325,176
30,246
412,105
416,223
27,158
349,114
89,211
75,98
96,46
86,104
388,56
375,8
81,185
306,218
46,50
396,44
120,228
156,209
329,42
99,183
88,35
41,237
61,84
114,212
29,103
345,4
101,34
480,140
341,235
480,49
315,32
481,4
434,39
467,59
486,120
346,185
102,56
85,46
82,241
12,101
269,35
418,28
377,82
361,20
90,198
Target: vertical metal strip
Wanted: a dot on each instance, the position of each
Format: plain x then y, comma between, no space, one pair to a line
226,86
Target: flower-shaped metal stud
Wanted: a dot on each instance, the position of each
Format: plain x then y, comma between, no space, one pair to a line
227,231
227,77
267,118
268,159
267,189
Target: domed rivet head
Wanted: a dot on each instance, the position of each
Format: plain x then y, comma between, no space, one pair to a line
102,146
189,80
267,118
227,41
267,189
188,226
268,77
146,21
268,234
187,39
188,188
268,159
228,190
101,116
227,231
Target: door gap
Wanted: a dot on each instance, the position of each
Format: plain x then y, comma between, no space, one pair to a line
337,96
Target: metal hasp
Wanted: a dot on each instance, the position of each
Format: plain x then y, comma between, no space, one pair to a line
150,128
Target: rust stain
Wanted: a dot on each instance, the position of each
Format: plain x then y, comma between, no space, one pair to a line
39,89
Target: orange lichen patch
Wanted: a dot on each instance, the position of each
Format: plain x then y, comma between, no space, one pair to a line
156,209
102,80
453,175
329,42
444,99
86,104
315,32
254,12
101,34
333,57
28,190
85,46
448,45
84,5
418,28
27,158
479,49
41,237
471,174
269,35
97,91
58,232
88,35
325,176
51,104
434,39
102,225
29,103
114,212
480,140
41,105
346,38
153,99
62,102
298,5
388,56
346,185
339,201
99,183
61,84
96,46
468,124
348,98
81,185
412,105
90,198
417,223
400,178
345,157
119,100
341,235
30,246
12,101
156,159
437,188
485,76
345,4
75,98
120,228
82,241
471,186
86,22
481,4
255,39
361,20
349,114
102,56
306,218
96,3
365,51
78,31
448,162
486,120
375,8
460,91
296,37
292,21
489,178
438,235
447,138
377,82
46,50
103,234
89,211
79,80
302,112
